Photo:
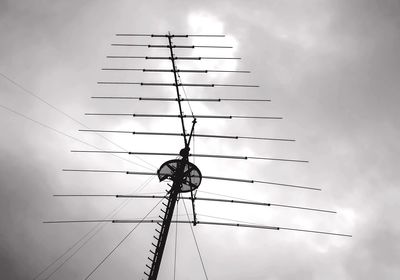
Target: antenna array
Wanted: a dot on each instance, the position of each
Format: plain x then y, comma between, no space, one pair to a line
184,175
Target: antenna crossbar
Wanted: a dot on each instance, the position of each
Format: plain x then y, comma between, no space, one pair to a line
175,57
200,199
206,223
173,46
173,84
183,99
169,35
183,116
192,155
181,134
204,177
177,70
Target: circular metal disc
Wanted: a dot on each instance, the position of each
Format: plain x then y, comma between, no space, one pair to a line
191,174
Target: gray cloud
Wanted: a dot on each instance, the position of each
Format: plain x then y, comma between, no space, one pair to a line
331,69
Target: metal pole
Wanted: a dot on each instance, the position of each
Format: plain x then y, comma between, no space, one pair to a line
169,211
177,88
176,186
162,240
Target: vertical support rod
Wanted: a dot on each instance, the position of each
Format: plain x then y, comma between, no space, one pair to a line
192,130
177,88
192,196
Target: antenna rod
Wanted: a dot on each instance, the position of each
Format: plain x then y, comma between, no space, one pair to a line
176,57
182,99
207,223
192,195
201,199
176,84
181,134
192,131
193,155
173,46
177,70
182,116
169,35
204,177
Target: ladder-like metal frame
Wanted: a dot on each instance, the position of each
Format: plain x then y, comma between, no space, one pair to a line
163,232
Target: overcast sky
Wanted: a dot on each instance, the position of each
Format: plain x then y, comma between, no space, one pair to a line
331,69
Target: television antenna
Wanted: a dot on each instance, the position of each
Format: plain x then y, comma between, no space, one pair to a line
183,175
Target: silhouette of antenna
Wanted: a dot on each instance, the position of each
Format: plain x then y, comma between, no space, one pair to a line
182,174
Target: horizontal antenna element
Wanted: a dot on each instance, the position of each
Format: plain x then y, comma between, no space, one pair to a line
200,199
183,116
177,70
204,177
168,35
204,223
173,46
173,84
181,134
182,99
193,155
175,58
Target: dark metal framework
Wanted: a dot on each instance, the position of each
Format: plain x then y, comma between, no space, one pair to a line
184,175
177,178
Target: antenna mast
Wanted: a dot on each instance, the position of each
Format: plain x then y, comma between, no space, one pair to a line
180,172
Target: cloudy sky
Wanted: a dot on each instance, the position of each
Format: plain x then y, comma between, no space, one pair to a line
331,69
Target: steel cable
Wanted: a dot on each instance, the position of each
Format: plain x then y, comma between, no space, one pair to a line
123,239
67,115
96,229
195,241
